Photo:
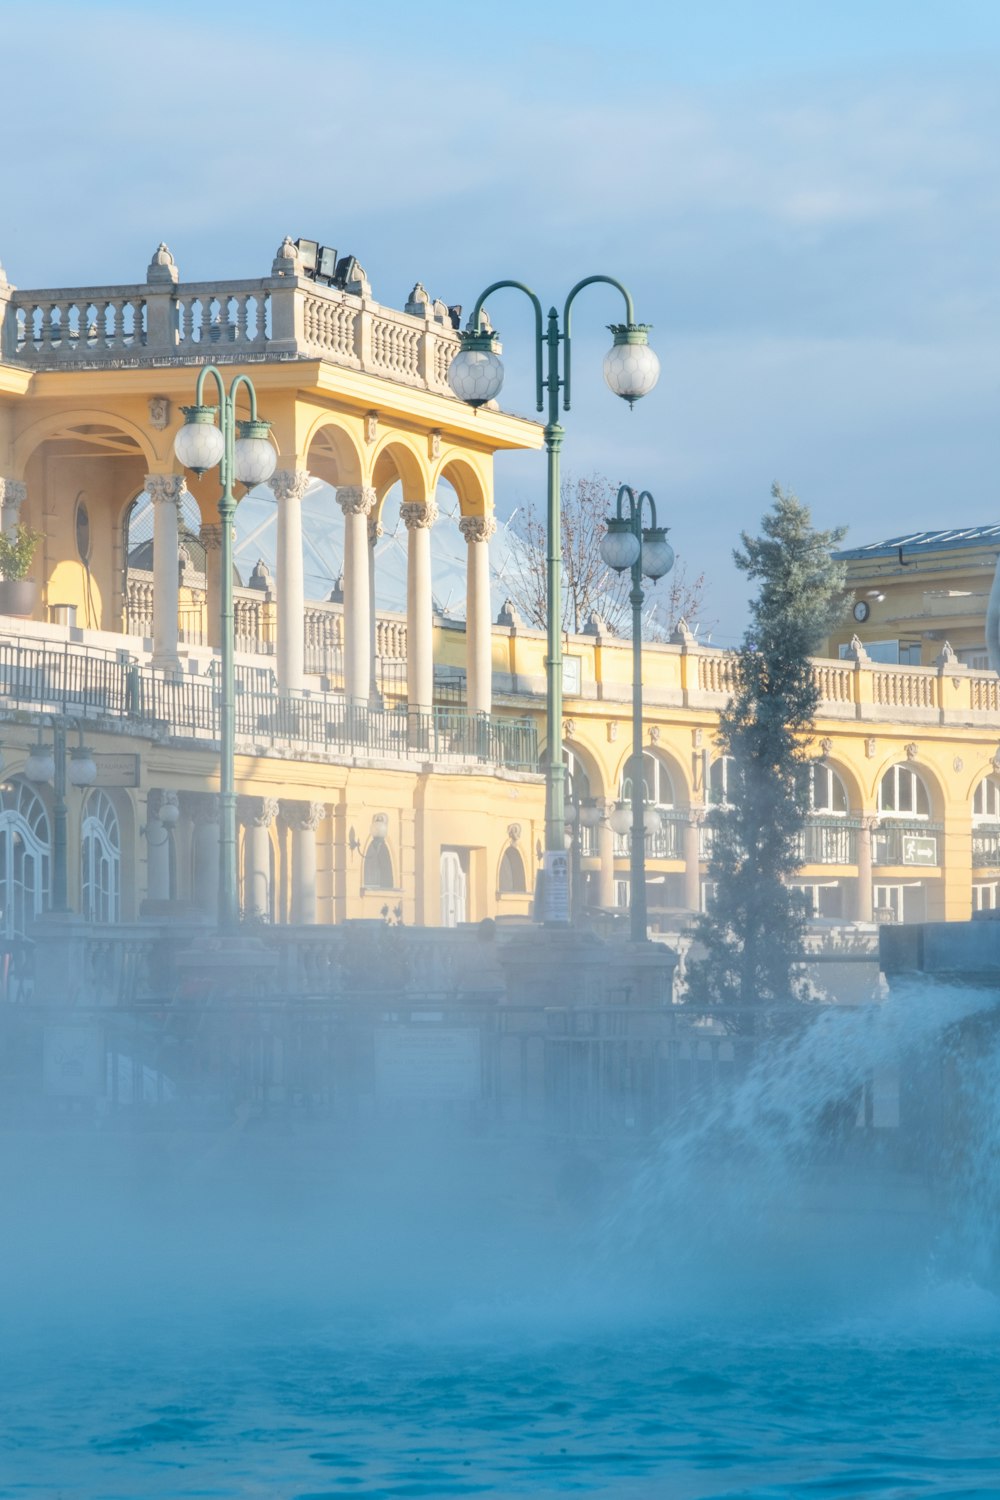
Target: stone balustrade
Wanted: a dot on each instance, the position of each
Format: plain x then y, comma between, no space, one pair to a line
282,316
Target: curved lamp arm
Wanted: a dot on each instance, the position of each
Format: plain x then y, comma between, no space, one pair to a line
519,286
567,317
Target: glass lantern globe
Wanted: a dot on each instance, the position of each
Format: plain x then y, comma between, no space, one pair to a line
199,445
630,366
476,372
82,767
652,822
170,814
619,545
568,837
657,553
41,764
590,813
620,818
254,457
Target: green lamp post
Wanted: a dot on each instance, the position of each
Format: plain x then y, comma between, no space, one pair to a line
627,544
631,369
243,454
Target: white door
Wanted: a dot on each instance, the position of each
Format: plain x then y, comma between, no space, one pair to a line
454,889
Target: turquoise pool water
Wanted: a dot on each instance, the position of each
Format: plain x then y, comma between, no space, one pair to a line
273,1315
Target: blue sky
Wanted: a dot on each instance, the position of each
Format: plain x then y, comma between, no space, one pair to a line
804,199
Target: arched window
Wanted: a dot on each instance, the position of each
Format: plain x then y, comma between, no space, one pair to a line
986,801
378,867
823,790
512,880
101,860
24,857
722,781
137,553
902,794
658,789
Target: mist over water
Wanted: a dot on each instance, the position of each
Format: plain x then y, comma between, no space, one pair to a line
765,1301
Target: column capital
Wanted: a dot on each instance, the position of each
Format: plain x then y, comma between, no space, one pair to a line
477,528
13,493
258,811
417,514
305,816
289,484
211,536
374,530
356,499
164,487
204,807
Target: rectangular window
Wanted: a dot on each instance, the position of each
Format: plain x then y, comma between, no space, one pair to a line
984,896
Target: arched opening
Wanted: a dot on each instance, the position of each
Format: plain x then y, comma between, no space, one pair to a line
986,839
902,793
512,880
25,861
137,569
377,873
722,781
100,854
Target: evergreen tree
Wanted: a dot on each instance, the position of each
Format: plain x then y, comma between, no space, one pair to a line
752,934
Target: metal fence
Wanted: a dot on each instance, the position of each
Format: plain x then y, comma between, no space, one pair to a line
75,680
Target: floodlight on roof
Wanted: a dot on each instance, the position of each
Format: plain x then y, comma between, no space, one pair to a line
326,266
347,270
308,250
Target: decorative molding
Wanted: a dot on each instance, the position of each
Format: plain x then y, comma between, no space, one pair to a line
654,734
164,488
958,764
374,530
356,499
304,817
371,427
514,832
434,443
259,811
418,514
826,746
912,751
613,730
477,528
159,412
870,747
289,484
569,727
211,536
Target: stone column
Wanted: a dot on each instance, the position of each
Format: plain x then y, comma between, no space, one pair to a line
206,853
477,531
13,494
289,486
356,501
258,815
211,540
165,491
692,858
374,532
606,854
864,910
303,818
157,847
419,516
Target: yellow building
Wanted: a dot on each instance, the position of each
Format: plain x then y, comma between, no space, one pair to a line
387,763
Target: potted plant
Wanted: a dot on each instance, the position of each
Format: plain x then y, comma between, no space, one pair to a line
18,592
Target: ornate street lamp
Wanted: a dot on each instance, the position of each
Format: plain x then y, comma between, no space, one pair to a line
631,369
627,544
47,764
244,454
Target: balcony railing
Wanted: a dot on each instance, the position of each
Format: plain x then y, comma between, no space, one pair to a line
829,841
81,681
666,842
986,846
905,843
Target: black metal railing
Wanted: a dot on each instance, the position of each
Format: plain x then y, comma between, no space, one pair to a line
986,846
77,680
904,843
829,841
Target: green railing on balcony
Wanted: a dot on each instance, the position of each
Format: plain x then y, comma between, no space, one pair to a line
906,843
829,841
986,846
81,681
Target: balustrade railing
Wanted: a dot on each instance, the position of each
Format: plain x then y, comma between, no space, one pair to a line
283,316
79,681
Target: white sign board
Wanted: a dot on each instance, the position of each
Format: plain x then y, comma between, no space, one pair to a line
439,1063
919,849
555,886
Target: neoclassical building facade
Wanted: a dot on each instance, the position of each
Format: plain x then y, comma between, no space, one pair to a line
387,763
